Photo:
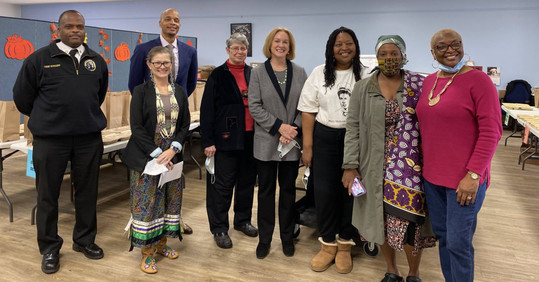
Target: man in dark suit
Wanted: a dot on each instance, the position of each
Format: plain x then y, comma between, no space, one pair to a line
185,61
61,87
186,64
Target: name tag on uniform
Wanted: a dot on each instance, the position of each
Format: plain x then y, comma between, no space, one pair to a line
51,66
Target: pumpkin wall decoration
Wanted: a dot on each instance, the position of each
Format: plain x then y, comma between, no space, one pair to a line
103,44
122,52
18,48
54,32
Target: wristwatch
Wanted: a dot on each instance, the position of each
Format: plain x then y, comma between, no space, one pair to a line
176,149
474,175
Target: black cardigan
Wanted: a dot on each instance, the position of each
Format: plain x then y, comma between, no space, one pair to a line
222,113
143,119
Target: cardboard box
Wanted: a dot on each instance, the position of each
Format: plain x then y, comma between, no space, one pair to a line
204,72
536,96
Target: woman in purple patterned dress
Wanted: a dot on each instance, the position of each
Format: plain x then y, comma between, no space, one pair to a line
382,150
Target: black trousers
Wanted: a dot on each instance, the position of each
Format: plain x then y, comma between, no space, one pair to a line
232,169
268,172
50,157
333,204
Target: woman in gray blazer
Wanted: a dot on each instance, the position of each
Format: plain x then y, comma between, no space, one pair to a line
274,92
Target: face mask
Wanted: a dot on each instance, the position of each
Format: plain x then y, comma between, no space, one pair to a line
306,175
210,167
284,149
454,69
390,66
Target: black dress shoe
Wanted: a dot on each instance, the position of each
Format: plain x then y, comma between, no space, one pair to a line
222,240
413,279
247,229
392,277
91,251
288,248
262,250
50,263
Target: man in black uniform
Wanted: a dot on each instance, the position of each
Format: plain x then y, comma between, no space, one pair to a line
61,88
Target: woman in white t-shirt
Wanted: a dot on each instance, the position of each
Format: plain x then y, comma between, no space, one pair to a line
324,105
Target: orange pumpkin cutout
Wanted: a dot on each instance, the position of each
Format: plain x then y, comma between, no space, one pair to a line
122,52
18,48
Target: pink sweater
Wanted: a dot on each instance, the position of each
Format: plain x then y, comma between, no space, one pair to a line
462,131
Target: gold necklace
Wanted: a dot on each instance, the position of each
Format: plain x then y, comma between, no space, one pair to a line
435,101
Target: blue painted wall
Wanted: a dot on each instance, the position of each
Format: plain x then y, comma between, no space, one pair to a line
495,32
38,33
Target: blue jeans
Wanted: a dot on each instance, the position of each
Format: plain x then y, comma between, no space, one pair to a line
455,226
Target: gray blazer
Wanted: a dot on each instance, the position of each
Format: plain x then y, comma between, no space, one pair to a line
269,111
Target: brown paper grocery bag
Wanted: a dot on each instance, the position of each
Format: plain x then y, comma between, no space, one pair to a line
198,95
192,103
126,109
10,120
27,134
115,105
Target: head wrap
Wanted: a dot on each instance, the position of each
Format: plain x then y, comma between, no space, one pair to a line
394,39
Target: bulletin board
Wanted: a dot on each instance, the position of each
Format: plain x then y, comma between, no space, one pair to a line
21,37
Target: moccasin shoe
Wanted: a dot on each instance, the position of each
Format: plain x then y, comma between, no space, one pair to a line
222,240
148,265
50,262
262,250
247,229
168,252
91,251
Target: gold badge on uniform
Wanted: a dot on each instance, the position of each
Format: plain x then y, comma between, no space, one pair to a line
89,65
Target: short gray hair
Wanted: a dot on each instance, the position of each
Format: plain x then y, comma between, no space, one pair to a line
237,38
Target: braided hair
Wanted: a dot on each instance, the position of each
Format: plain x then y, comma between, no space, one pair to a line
329,69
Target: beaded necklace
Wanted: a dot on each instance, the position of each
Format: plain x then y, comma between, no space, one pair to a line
285,75
166,130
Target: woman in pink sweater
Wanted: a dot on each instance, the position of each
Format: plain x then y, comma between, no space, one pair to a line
460,124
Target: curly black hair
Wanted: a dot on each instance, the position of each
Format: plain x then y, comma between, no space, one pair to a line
329,69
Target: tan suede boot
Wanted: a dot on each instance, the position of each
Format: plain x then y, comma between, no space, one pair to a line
325,257
164,250
343,259
148,262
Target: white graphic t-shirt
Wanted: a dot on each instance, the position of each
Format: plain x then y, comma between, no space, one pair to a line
329,104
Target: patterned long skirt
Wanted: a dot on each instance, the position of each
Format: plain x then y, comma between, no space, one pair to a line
156,211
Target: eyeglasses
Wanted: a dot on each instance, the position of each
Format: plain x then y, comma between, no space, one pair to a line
159,64
237,49
444,47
